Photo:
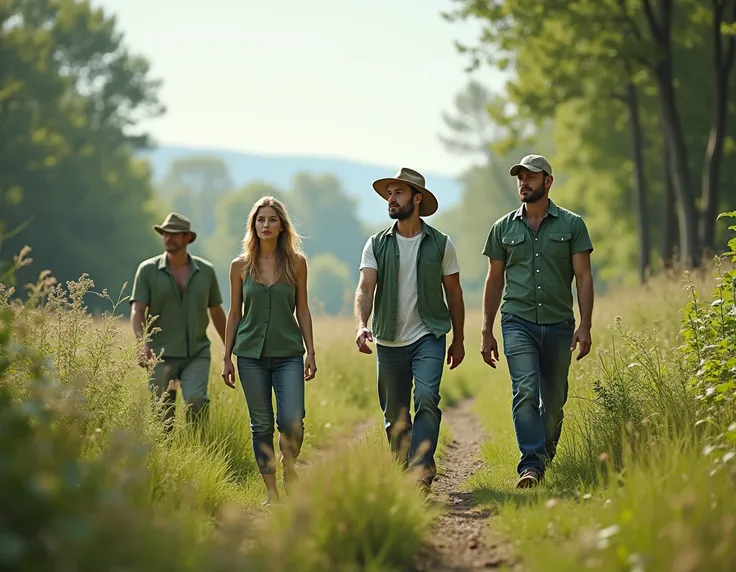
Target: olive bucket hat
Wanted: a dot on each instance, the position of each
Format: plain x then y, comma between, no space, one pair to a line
175,222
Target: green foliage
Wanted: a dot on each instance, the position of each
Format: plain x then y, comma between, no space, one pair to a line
572,70
64,508
193,186
332,283
325,217
357,512
90,480
667,512
709,346
637,400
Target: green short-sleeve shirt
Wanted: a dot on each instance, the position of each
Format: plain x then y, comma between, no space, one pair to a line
538,265
182,317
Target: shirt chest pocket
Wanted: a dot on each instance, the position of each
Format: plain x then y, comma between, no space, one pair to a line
558,244
514,246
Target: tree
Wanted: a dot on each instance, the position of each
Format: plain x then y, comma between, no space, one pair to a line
326,218
472,129
193,186
71,96
620,59
660,26
723,24
330,284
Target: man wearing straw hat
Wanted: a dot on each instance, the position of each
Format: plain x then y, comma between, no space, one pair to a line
178,290
407,266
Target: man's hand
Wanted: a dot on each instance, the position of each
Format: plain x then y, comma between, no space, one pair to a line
145,356
455,353
364,335
582,337
228,372
489,349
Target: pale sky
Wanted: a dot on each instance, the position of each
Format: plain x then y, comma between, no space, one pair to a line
359,80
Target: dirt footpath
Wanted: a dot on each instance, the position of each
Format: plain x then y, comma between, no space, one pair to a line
459,538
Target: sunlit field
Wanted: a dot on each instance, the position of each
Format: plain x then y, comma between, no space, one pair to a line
103,463
90,478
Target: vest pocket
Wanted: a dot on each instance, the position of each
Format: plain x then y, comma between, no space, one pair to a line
433,275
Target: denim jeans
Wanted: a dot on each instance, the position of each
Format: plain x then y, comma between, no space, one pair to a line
538,358
285,375
423,361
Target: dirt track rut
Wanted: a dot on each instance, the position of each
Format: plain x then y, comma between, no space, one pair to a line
459,539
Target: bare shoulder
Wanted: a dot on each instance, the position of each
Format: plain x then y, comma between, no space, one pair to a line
237,265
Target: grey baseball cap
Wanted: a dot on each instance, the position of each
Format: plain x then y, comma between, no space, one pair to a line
534,163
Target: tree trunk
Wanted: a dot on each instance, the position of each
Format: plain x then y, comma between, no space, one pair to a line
640,189
661,28
669,221
722,64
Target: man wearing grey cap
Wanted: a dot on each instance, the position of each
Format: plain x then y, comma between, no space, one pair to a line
534,252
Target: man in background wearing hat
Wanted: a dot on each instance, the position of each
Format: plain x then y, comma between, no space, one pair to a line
178,289
407,266
535,251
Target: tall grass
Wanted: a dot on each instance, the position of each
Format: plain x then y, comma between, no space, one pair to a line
90,481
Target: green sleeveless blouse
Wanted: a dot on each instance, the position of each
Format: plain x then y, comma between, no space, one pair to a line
268,327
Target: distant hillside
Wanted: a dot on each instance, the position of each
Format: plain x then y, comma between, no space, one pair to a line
278,170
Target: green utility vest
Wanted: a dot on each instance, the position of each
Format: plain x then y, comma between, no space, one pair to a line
431,302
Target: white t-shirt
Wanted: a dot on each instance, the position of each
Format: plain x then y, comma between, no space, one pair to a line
409,327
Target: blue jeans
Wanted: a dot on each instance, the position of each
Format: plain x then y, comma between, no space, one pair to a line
285,375
538,358
423,361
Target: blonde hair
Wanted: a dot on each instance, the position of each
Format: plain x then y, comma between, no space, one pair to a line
288,246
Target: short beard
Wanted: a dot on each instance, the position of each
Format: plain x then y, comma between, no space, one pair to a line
534,196
402,213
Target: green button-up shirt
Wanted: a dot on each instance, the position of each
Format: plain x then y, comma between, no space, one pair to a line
182,316
538,265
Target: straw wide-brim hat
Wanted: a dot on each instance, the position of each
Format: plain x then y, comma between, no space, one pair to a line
175,222
427,207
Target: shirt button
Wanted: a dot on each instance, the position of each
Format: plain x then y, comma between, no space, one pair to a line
539,287
537,254
537,269
540,303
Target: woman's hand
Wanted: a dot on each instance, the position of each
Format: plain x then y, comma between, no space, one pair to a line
228,372
310,367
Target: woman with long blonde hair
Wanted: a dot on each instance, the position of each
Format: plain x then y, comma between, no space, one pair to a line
268,326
